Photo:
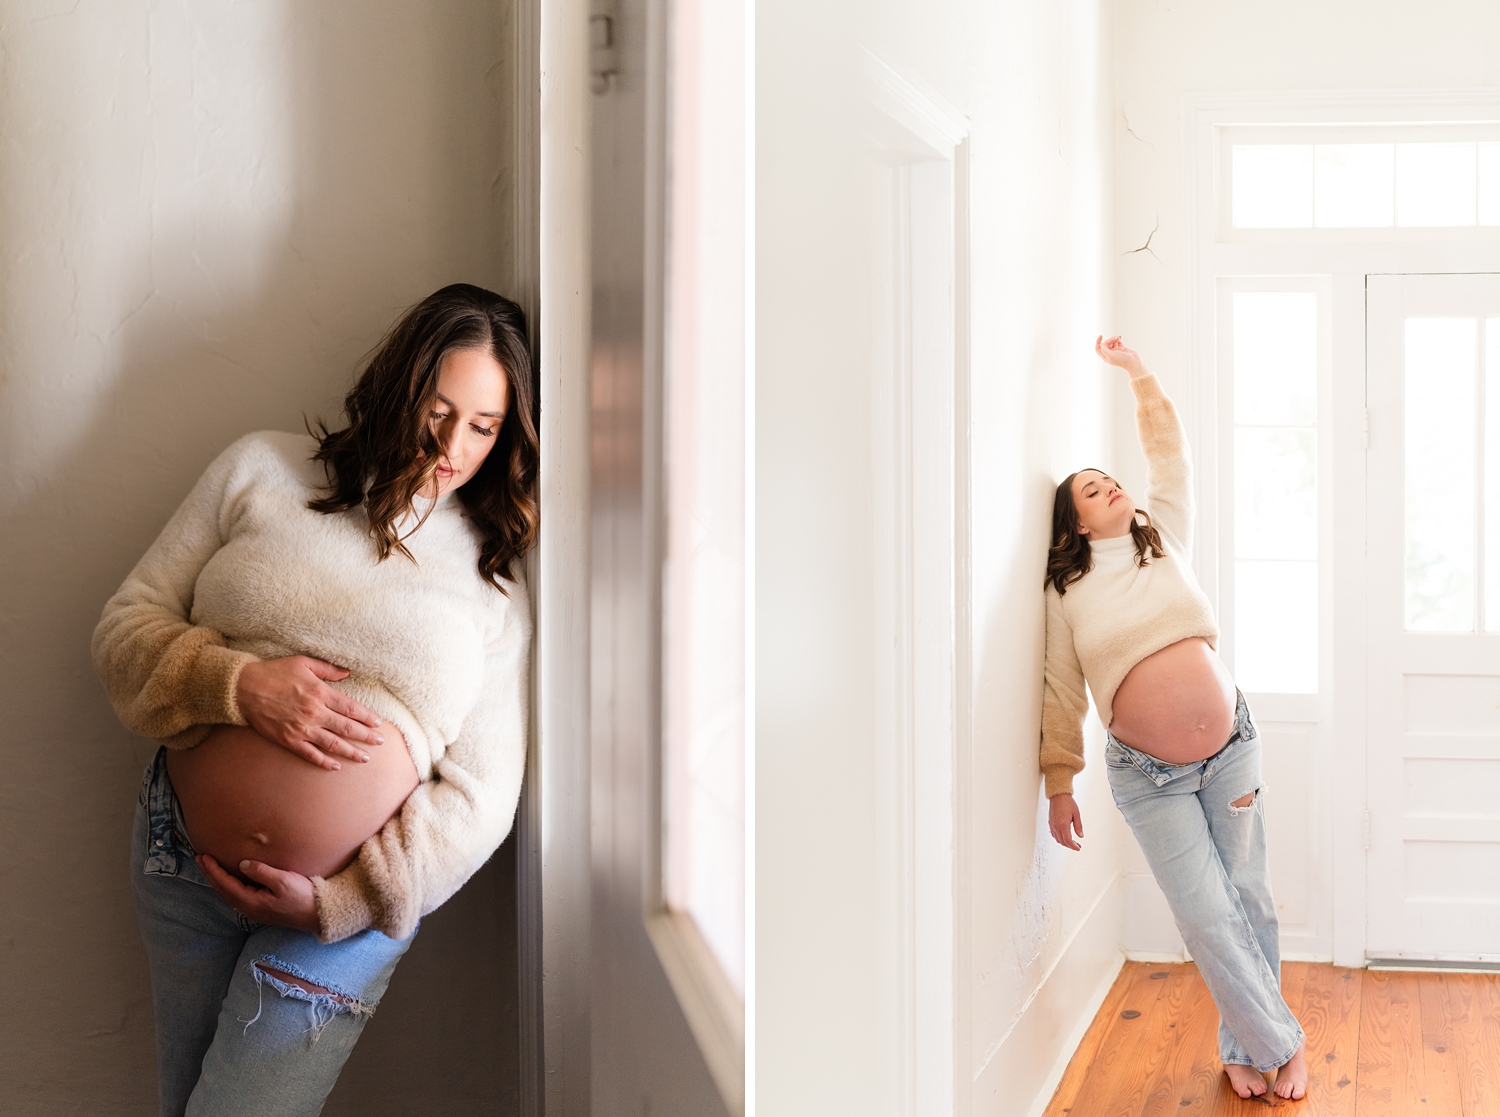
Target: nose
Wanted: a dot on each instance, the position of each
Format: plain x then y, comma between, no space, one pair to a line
448,439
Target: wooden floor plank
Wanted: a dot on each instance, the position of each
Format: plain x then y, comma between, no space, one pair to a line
1477,1042
1390,1047
1095,1039
1137,1079
1330,1017
1187,1081
1379,1045
1440,1059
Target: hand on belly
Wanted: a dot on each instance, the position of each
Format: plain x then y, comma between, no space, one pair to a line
246,798
1177,704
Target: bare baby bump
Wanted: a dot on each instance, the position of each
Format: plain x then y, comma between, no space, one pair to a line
1177,704
245,797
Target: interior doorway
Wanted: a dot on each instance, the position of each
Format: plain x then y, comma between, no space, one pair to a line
1433,570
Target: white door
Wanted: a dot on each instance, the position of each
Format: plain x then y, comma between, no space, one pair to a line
1433,360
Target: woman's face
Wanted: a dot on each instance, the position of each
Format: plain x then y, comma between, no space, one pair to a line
1104,511
473,396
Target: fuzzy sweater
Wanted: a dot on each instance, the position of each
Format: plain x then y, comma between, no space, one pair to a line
245,570
1120,612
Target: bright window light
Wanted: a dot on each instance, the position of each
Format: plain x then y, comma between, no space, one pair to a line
1273,186
1276,491
1440,474
1276,358
1355,185
1276,627
1435,184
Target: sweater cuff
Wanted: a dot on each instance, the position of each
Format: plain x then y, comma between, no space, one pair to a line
346,904
1147,388
209,696
1058,781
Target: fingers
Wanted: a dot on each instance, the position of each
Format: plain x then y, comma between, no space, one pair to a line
342,704
336,746
235,891
325,670
351,730
267,876
310,752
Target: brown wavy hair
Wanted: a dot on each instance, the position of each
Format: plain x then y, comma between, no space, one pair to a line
1069,558
386,454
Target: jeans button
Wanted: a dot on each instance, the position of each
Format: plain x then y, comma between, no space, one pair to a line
160,842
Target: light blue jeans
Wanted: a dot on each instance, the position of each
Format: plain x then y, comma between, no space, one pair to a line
1210,860
231,1039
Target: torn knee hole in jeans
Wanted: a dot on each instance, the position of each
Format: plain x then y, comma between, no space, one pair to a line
1245,802
323,1004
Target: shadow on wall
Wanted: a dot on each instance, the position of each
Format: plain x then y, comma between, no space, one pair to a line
203,226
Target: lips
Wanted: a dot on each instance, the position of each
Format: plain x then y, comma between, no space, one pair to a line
1117,496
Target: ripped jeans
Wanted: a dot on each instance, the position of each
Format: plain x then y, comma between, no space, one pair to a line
1210,859
232,1039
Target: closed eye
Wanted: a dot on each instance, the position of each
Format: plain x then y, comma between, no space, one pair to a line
488,432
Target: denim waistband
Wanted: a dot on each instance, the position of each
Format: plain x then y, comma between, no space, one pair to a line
1159,770
167,847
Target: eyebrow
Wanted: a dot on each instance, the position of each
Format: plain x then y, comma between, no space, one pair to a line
486,414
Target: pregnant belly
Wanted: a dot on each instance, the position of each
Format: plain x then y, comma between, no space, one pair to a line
1176,704
244,797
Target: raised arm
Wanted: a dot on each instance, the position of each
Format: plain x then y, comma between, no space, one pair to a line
452,823
1169,469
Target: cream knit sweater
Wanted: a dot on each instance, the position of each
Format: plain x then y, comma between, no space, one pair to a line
1120,612
245,570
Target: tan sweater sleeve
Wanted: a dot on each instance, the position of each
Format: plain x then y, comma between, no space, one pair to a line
1169,470
451,824
165,676
1065,703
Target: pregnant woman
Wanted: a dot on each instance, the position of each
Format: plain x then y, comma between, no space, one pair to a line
1125,614
330,640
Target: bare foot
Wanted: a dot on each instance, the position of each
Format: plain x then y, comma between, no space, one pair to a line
1291,1079
1249,1082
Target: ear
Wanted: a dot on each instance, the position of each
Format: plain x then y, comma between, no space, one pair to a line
1082,530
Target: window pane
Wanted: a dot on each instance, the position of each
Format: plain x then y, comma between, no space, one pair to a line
1276,626
1440,474
1273,186
1276,493
1355,184
1492,474
1435,184
1489,184
1276,358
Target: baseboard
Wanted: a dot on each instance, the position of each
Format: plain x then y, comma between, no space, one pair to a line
1020,1077
1075,1037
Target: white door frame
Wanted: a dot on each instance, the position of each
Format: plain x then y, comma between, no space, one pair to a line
1346,256
920,471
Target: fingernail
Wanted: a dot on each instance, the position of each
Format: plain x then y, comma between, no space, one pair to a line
379,740
335,766
244,866
363,759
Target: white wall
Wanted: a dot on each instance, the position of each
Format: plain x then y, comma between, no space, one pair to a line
1161,52
1033,81
208,212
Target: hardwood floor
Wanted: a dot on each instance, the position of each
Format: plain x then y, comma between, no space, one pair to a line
1379,1044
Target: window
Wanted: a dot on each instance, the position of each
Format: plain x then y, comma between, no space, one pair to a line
1365,185
1273,359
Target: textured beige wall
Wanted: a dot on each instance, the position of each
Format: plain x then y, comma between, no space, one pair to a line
208,212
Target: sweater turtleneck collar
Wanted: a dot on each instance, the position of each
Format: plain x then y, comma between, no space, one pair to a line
1124,544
